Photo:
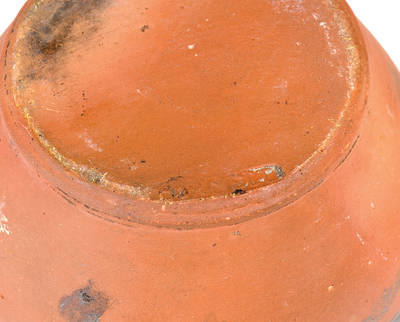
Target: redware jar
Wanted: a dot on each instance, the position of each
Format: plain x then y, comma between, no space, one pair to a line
197,161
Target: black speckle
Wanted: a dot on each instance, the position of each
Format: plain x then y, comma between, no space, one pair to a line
215,244
84,96
239,192
143,161
144,28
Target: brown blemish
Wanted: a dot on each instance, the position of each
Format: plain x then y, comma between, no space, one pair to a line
84,305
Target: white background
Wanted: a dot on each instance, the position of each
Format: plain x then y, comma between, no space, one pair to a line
381,17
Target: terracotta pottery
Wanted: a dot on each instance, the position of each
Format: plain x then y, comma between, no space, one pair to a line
197,161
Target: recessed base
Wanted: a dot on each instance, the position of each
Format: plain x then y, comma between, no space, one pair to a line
185,100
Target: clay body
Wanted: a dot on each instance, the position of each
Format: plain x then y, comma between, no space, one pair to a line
197,161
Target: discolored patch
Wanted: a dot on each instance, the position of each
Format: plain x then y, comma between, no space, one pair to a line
385,303
84,305
52,29
396,318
